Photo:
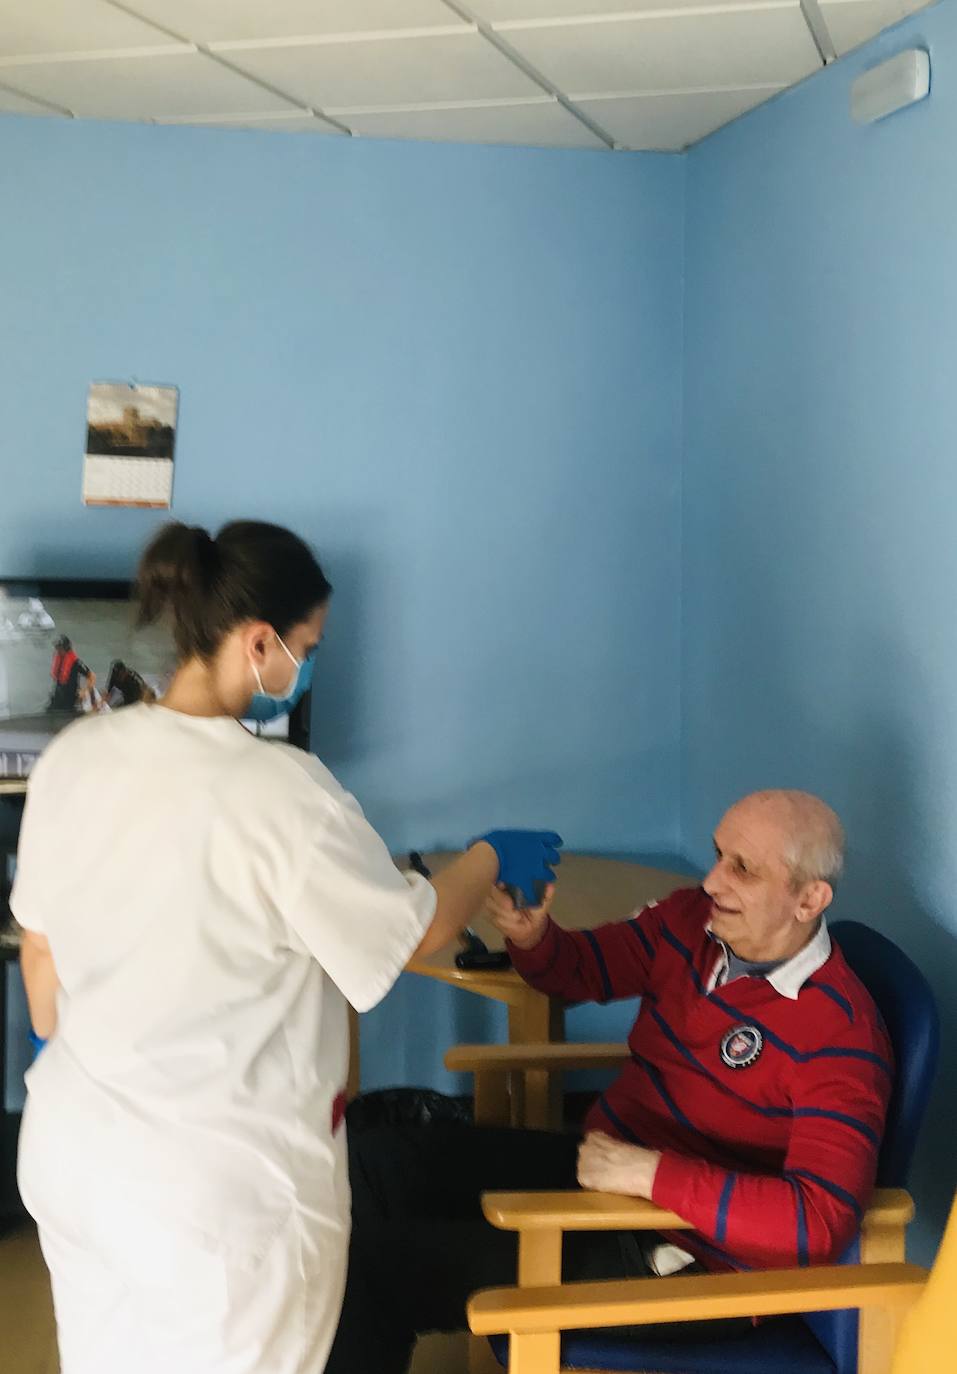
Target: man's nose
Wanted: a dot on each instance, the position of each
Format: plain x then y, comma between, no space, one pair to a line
713,880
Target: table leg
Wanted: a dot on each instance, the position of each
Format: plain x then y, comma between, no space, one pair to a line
536,1019
516,1035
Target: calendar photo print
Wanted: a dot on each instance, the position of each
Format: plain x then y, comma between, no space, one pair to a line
130,433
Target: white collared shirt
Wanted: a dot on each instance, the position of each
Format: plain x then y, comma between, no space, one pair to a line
787,978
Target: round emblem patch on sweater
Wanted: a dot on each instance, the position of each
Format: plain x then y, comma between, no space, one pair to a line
741,1046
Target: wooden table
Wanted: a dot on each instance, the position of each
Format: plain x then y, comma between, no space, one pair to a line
590,891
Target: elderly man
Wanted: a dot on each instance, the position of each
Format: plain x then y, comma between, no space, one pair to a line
752,1104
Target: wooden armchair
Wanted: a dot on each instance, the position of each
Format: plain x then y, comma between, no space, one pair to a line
540,1308
828,1338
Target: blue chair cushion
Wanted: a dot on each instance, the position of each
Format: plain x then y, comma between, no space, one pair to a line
780,1345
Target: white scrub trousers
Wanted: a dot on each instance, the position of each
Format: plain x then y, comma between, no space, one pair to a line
156,1301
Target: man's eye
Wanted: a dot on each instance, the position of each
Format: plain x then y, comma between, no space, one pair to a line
741,867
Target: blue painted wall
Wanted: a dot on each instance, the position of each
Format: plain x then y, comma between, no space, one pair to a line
821,495
458,371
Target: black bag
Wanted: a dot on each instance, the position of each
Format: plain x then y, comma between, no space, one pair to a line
406,1107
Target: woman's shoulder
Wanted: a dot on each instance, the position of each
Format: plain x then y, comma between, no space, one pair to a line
83,734
287,772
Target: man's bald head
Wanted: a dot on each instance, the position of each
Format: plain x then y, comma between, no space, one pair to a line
777,856
812,837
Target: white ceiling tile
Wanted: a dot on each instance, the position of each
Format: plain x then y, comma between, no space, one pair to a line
213,21
852,22
275,123
11,103
670,122
743,47
30,27
541,123
501,14
405,71
147,87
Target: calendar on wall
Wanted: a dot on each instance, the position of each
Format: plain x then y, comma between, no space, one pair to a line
130,436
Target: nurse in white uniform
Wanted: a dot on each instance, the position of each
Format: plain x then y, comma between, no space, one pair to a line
191,943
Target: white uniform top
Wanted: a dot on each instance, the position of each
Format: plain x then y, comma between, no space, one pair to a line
212,901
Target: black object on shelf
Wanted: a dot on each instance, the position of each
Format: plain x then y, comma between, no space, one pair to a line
477,955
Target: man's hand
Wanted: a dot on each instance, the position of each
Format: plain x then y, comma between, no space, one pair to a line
524,926
606,1165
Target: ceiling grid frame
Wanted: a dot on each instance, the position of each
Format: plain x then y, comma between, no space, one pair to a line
202,48
544,105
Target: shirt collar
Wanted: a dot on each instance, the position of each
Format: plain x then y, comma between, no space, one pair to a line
788,978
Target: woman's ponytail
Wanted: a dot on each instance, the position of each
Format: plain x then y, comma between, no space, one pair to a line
204,587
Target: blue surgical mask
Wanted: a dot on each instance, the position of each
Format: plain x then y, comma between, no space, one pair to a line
268,705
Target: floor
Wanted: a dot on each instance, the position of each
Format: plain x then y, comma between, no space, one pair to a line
26,1317
26,1313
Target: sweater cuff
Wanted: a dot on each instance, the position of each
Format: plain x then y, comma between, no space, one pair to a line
671,1182
540,958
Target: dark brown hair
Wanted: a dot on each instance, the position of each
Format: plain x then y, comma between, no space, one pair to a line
207,586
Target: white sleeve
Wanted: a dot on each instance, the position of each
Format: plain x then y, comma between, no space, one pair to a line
354,912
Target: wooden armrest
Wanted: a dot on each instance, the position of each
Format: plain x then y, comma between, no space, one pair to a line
637,1302
888,1207
576,1212
581,1211
517,1057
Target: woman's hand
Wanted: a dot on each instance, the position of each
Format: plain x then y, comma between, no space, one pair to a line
41,982
526,860
524,926
606,1165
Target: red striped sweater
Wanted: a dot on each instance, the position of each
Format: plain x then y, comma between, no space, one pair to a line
768,1137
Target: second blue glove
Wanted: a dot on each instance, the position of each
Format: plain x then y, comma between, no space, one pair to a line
524,861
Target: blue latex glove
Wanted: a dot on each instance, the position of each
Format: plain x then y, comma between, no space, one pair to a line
37,1043
524,857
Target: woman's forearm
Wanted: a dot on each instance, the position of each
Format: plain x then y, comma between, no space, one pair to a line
461,888
41,982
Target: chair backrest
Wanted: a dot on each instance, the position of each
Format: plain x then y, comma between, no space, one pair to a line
906,1002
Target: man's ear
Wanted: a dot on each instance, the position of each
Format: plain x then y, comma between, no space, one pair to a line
815,898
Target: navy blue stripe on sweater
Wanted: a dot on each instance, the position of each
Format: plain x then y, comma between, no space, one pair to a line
617,1122
803,1253
852,1054
659,1085
834,995
834,1189
769,1112
635,926
600,960
799,1056
685,953
721,1225
854,1122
